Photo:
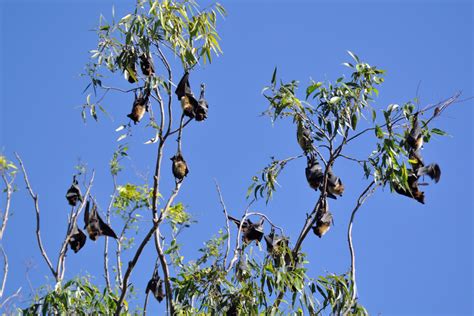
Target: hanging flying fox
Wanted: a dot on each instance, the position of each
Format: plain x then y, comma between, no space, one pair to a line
95,226
77,239
146,65
323,220
186,96
415,137
250,231
73,194
276,246
202,108
314,172
140,106
303,136
334,185
242,269
155,285
179,167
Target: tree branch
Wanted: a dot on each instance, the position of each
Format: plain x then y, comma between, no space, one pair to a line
224,209
362,198
38,231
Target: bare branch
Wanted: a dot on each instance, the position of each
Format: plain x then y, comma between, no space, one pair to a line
362,198
6,212
224,209
10,297
5,271
38,231
106,244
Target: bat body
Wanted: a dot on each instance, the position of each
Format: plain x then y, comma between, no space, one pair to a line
314,173
277,246
186,96
155,286
415,137
77,239
95,226
140,106
73,194
202,108
335,187
179,167
250,231
303,135
323,221
146,65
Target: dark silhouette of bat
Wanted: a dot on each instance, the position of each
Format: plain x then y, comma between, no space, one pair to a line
250,231
155,286
314,172
146,65
276,247
180,168
73,194
203,107
77,239
95,226
140,106
303,135
334,185
186,96
323,220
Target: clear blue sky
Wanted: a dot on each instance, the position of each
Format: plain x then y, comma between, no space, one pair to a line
413,259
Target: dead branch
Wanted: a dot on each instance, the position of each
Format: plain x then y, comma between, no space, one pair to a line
362,198
5,271
224,209
38,231
6,212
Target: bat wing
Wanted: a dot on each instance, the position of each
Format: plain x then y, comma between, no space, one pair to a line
86,214
105,229
183,85
235,220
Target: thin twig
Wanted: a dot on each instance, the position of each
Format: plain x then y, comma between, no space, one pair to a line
106,244
10,297
5,271
6,212
224,209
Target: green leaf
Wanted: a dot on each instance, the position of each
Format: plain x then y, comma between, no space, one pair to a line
378,132
274,76
437,131
354,56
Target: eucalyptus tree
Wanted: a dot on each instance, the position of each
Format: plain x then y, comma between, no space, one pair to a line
228,278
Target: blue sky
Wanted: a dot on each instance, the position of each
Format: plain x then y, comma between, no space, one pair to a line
412,259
